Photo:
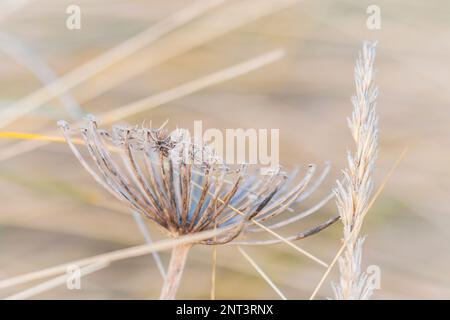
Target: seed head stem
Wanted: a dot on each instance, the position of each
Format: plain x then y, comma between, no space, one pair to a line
175,271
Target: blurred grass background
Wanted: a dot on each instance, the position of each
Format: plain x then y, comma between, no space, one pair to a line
48,209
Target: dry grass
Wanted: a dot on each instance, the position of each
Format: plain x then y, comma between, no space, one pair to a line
315,39
354,192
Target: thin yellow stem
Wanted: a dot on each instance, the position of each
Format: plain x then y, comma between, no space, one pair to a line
286,241
35,136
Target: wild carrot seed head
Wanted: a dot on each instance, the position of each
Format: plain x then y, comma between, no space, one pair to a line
182,185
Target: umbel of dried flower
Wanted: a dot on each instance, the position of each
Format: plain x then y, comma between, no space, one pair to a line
184,188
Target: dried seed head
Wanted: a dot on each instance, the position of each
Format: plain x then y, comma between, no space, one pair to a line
184,187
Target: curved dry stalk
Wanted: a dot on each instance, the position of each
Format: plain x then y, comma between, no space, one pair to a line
298,236
316,183
297,216
279,237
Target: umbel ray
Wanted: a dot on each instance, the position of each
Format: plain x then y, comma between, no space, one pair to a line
185,188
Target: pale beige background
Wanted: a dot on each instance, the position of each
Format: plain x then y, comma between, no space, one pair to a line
46,217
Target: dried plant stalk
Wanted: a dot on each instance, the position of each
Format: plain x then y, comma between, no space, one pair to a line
175,272
354,192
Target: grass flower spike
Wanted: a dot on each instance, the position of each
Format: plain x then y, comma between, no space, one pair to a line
353,194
